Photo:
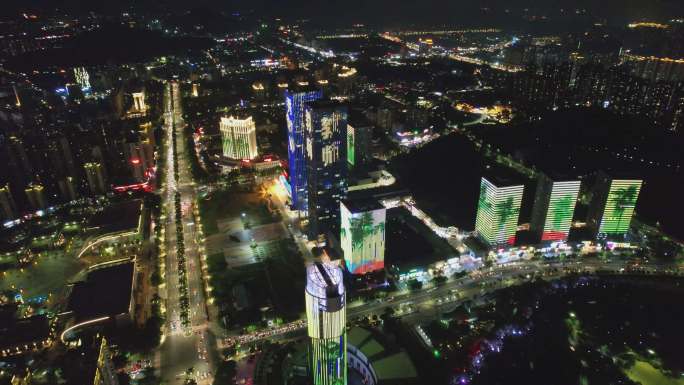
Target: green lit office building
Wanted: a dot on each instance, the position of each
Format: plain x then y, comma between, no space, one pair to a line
498,210
554,206
612,206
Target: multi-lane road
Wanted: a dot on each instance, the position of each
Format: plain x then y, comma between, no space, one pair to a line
186,351
417,306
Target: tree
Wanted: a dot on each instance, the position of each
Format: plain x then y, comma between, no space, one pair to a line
415,284
225,373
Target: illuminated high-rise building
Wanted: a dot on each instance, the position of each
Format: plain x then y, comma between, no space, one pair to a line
239,138
554,206
294,104
326,319
362,235
95,177
498,210
82,78
612,205
140,156
8,208
326,164
105,374
67,188
139,102
18,157
359,135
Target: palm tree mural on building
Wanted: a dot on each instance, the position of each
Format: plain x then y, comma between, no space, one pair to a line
363,230
560,211
506,210
622,198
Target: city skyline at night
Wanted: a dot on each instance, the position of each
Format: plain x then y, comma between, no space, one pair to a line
307,193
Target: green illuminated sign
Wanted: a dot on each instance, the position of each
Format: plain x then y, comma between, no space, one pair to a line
350,145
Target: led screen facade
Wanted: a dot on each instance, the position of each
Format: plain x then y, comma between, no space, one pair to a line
362,236
561,208
619,206
497,213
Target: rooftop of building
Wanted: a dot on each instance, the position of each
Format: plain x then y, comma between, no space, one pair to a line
619,174
389,362
298,88
324,279
358,119
325,103
21,331
362,205
123,216
105,292
503,176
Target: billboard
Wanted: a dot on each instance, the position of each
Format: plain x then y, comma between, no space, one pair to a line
362,236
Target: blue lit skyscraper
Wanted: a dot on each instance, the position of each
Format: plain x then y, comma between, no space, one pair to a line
294,104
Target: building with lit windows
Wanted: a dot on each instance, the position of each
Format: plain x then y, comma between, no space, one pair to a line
326,164
554,206
498,210
139,102
296,148
239,138
82,78
104,368
612,206
35,193
8,208
326,323
359,135
362,235
95,177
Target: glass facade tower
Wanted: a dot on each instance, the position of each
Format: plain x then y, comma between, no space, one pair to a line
296,148
326,164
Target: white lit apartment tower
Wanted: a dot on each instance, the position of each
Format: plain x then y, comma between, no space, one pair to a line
239,138
139,102
8,209
497,211
95,177
82,78
326,319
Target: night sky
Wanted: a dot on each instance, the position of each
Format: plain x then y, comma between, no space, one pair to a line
384,12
